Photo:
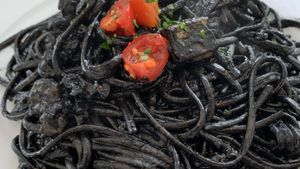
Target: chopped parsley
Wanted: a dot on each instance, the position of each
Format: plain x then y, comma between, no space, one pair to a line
228,52
167,22
133,60
128,16
134,23
126,2
151,34
87,5
184,27
73,20
202,34
226,111
158,22
137,55
171,14
115,35
125,29
109,41
147,51
105,46
150,1
170,6
183,44
114,18
145,57
90,27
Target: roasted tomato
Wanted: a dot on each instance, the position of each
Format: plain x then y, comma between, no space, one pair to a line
119,19
146,12
146,56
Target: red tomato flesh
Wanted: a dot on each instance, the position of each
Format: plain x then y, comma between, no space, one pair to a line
146,13
146,56
119,19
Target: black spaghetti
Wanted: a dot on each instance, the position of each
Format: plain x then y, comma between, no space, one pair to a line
227,98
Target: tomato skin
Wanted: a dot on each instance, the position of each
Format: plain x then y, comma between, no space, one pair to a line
152,67
119,19
146,14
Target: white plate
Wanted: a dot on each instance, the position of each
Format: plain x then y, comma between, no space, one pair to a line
19,14
16,15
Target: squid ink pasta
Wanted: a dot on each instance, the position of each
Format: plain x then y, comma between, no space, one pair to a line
190,84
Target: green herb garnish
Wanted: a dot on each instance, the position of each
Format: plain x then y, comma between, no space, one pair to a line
135,24
114,18
105,46
147,51
87,5
126,2
165,24
73,20
109,41
170,6
228,53
202,34
137,55
145,57
150,1
133,60
171,14
183,26
90,27
115,35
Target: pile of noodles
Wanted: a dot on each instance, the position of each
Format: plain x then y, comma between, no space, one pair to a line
229,100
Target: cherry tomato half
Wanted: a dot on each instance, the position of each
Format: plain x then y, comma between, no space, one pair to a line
146,12
119,19
146,56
